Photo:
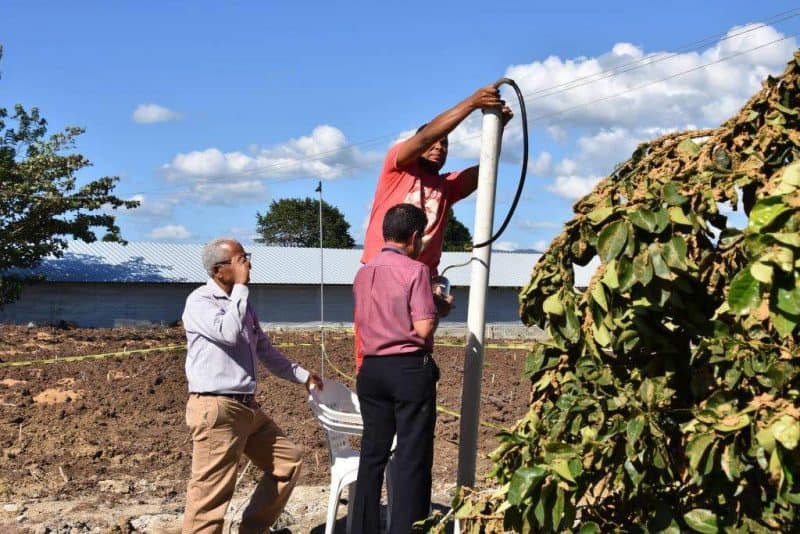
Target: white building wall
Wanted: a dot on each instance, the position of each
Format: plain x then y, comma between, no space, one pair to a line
106,305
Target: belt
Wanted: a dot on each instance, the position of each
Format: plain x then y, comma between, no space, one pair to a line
416,353
244,398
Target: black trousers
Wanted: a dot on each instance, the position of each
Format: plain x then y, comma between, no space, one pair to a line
397,396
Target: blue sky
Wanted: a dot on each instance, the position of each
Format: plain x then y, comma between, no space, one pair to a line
209,110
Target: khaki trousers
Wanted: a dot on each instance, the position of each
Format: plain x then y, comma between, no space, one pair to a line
222,430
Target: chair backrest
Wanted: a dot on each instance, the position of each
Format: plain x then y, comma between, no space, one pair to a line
338,411
337,402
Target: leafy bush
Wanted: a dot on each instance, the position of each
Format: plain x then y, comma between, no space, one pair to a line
667,396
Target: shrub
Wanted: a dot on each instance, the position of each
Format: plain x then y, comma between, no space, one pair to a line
666,398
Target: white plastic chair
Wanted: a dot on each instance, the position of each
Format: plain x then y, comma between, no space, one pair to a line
337,409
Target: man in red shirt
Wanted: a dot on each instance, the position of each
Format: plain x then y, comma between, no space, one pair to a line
411,174
395,319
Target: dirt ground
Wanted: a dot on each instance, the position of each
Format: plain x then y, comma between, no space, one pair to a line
100,444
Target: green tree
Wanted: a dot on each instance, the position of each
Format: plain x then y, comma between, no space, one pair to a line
41,203
294,222
457,237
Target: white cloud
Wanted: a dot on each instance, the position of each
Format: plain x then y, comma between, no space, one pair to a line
505,246
149,208
170,232
707,95
150,113
541,245
573,187
542,165
325,154
537,225
229,193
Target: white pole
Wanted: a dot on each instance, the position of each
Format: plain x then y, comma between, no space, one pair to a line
321,290
479,285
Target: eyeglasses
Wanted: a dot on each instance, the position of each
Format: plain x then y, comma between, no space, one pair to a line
228,262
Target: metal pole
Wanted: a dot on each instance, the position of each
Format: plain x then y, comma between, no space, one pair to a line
479,285
321,289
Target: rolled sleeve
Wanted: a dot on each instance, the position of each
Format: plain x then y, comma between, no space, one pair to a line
421,295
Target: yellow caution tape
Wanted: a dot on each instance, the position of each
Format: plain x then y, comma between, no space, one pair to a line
57,359
439,407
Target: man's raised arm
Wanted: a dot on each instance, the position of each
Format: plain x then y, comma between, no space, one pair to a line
446,122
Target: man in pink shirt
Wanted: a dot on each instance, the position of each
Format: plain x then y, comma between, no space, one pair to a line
395,320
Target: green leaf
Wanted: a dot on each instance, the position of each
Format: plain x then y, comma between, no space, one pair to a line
783,325
791,174
659,265
644,219
744,293
561,467
599,215
627,277
791,239
634,429
612,240
674,253
552,305
730,463
733,422
522,481
590,527
697,447
688,147
701,520
661,219
601,335
558,508
788,300
642,269
677,216
599,296
786,431
761,272
764,213
672,196
610,278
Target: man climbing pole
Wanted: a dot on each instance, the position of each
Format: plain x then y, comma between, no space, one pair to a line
411,174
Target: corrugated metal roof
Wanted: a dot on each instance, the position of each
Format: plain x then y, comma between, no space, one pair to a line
171,263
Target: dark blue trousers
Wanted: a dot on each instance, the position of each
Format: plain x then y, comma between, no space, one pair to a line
397,396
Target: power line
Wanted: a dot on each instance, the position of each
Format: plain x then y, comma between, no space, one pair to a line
586,81
553,90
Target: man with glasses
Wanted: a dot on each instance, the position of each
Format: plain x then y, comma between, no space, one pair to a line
224,339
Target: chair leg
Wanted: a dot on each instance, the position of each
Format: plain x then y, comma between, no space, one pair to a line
333,505
351,499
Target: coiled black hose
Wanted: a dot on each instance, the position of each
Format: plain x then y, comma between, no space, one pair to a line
524,117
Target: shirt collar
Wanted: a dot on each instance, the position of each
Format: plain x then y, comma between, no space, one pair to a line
394,250
216,290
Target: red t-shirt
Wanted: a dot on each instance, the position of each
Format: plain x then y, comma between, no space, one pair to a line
398,186
390,293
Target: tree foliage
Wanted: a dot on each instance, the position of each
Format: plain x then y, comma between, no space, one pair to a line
294,222
457,237
668,395
41,203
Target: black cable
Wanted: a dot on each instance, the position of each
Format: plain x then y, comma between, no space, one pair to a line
524,170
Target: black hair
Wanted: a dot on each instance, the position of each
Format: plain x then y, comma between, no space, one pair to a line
401,221
423,127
